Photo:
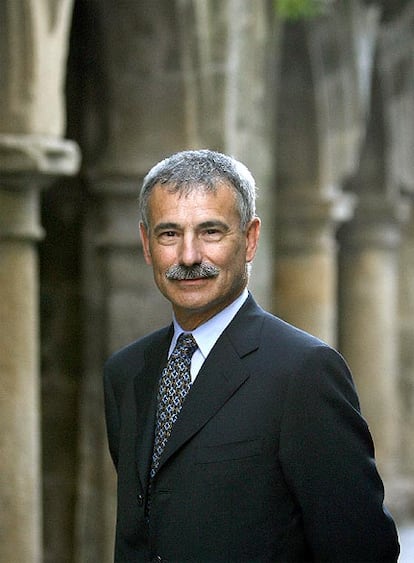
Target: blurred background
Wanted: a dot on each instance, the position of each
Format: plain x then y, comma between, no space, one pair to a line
316,97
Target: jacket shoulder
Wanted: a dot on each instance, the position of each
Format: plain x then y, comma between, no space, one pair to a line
128,359
253,320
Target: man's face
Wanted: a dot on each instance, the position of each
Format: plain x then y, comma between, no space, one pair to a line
196,228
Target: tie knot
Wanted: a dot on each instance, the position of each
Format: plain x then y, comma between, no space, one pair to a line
186,344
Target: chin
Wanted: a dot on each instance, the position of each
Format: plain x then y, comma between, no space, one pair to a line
195,304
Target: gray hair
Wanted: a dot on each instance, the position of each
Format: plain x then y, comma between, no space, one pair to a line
204,168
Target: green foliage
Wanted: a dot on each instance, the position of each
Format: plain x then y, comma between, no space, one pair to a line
300,9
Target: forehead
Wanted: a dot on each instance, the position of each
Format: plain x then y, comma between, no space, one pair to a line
167,199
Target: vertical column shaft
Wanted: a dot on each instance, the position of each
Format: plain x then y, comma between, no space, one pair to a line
27,163
20,529
368,329
406,335
306,272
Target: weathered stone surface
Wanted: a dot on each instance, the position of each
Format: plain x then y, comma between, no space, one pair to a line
306,271
20,484
33,44
396,62
406,342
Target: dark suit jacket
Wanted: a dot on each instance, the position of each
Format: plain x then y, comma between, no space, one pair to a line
269,460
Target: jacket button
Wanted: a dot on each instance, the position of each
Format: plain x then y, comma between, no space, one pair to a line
140,500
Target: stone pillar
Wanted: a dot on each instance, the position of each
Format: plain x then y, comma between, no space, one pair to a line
27,164
396,64
33,47
406,372
368,307
306,273
342,47
309,202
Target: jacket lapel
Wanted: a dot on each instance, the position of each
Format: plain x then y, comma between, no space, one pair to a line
220,377
146,388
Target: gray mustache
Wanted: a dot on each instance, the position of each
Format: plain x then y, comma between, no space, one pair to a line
202,270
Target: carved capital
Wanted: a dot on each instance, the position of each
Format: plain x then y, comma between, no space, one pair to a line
30,160
308,221
377,223
116,210
28,164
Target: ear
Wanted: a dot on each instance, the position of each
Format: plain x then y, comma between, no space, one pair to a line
252,238
145,243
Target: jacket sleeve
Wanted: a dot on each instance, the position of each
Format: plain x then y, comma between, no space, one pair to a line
111,416
327,457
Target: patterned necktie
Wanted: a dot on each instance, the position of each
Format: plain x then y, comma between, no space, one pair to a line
174,385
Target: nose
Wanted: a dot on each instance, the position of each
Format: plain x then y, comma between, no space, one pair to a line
190,251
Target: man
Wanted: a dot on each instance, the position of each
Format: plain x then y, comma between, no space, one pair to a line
266,458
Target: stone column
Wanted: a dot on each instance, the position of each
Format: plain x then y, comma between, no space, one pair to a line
406,317
33,47
406,371
306,272
368,308
396,64
27,164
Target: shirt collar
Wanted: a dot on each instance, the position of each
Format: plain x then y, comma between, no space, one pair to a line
207,334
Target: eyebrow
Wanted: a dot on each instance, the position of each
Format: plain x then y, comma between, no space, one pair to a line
212,224
204,225
165,227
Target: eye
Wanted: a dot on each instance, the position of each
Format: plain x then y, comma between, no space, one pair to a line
212,234
167,237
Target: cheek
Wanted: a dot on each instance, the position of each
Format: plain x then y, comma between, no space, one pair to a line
161,260
231,259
